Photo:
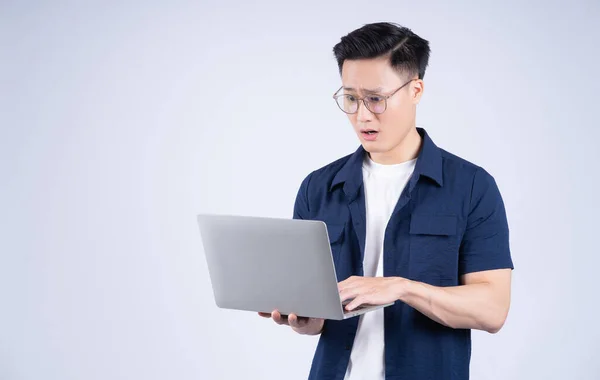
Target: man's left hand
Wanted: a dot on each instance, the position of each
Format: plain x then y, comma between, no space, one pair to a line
371,290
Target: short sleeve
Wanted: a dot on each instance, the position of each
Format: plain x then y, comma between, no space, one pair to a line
301,210
485,244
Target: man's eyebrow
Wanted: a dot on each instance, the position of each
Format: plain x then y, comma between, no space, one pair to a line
371,91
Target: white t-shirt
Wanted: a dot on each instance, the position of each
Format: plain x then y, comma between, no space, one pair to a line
383,185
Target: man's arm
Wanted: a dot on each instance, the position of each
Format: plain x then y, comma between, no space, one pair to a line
481,303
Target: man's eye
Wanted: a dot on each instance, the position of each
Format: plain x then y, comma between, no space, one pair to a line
374,99
351,98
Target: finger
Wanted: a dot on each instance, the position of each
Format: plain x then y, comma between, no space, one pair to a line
349,294
264,315
293,320
298,322
355,303
349,282
278,318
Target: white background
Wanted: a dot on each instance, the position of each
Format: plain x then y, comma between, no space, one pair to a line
119,122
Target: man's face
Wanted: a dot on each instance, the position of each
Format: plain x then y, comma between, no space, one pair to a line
375,78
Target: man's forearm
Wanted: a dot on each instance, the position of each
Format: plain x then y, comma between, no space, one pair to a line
473,306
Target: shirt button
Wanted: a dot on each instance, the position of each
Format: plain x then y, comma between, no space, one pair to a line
348,347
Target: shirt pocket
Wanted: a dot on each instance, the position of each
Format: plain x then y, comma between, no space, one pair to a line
433,246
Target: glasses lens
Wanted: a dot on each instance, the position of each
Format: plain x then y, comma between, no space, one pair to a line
347,103
375,104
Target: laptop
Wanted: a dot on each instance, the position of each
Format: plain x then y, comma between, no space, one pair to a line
263,264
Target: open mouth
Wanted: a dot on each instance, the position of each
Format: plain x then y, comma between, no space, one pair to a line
369,134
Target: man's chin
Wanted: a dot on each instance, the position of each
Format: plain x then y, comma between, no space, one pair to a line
373,147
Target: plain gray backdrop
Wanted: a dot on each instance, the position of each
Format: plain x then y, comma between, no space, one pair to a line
120,121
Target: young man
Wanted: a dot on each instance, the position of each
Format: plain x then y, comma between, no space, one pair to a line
409,222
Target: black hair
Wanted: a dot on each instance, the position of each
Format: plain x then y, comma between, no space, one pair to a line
409,53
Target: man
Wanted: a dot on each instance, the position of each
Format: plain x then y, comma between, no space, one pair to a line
409,222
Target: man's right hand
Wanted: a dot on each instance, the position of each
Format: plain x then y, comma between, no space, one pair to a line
301,325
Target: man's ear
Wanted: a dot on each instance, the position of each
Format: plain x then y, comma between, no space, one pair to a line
416,90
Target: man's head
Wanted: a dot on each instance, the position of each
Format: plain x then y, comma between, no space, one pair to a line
375,61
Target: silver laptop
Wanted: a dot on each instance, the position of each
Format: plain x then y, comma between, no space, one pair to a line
264,264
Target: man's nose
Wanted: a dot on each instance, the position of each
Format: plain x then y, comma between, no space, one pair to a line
363,114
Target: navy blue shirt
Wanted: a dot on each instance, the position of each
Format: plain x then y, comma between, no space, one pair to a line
449,221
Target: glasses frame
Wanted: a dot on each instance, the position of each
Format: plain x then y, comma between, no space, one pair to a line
385,98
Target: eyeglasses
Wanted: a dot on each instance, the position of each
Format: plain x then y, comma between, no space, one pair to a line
375,103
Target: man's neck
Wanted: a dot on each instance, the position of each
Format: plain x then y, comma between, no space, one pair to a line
407,150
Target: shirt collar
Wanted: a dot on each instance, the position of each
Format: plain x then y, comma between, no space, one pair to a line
429,164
